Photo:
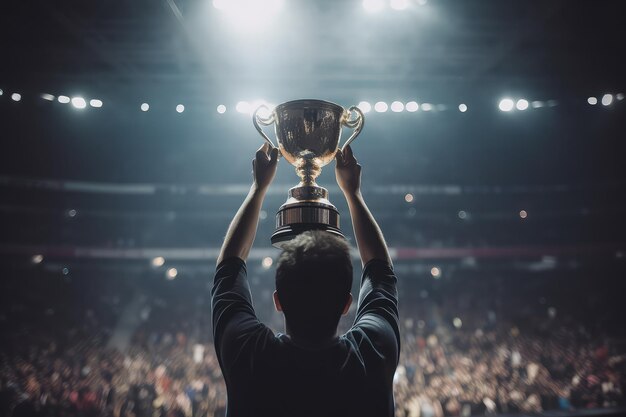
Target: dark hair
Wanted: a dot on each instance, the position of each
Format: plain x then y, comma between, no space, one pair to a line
313,280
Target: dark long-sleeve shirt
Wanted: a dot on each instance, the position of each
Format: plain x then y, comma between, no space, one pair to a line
271,375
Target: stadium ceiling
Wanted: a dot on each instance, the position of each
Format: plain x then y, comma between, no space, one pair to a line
444,47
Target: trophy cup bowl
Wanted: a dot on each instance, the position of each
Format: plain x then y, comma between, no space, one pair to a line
308,134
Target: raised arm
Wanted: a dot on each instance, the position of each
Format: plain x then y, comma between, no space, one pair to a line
242,229
369,237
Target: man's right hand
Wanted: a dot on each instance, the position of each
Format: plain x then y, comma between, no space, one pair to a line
348,172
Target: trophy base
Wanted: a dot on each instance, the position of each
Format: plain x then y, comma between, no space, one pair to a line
295,218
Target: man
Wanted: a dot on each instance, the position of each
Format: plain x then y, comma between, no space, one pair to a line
308,371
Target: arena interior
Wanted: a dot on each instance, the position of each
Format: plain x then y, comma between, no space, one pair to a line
493,158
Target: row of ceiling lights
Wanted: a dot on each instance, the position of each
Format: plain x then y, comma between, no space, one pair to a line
245,107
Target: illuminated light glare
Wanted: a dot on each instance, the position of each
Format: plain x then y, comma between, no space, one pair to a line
180,108
412,106
552,312
523,214
373,5
267,262
221,109
16,96
365,106
435,272
63,99
462,214
94,102
158,261
457,322
462,107
79,102
427,107
592,100
607,99
552,103
65,271
249,16
536,104
521,104
620,96
37,259
47,97
506,104
145,107
381,107
72,213
171,273
397,106
263,215
408,198
1,92
220,4
264,112
243,107
399,4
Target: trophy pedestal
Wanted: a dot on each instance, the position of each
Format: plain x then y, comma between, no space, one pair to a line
306,209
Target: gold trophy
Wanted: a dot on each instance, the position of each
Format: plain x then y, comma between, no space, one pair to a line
308,133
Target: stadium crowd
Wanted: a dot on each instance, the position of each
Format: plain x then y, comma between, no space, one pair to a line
463,352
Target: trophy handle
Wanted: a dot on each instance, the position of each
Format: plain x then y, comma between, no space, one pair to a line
256,120
356,124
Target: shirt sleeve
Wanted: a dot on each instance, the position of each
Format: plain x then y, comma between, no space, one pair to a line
235,324
377,311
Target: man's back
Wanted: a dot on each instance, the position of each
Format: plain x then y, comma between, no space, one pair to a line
271,375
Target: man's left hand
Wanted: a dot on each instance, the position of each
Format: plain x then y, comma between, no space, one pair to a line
264,166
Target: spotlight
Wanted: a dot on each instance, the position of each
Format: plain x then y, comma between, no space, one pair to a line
408,198
607,99
397,106
171,273
381,107
220,4
158,261
506,104
221,109
37,259
462,214
522,104
94,102
592,100
523,214
263,215
373,5
267,262
63,99
180,108
435,272
79,102
65,271
457,322
249,15
72,213
620,96
243,107
536,104
16,96
365,106
399,4
412,106
145,107
462,108
47,97
427,107
1,92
